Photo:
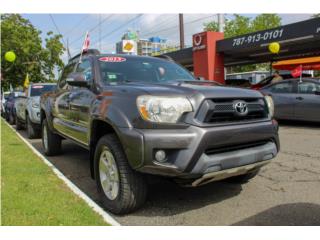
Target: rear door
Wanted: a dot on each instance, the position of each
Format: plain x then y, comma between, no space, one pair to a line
307,106
283,95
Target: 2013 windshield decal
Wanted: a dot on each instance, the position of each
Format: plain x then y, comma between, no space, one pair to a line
112,59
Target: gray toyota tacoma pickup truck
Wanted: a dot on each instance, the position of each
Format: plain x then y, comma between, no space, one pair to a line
142,116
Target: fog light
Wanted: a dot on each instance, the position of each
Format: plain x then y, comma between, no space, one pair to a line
160,156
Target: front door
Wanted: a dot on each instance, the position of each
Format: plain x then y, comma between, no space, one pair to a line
307,105
283,96
81,99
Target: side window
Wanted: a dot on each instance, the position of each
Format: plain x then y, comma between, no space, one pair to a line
285,87
85,68
66,71
308,87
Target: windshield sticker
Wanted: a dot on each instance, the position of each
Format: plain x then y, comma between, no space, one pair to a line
112,59
37,86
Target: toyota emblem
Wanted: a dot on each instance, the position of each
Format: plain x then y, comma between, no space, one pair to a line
241,108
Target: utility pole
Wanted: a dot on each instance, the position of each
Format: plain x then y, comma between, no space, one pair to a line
221,22
181,27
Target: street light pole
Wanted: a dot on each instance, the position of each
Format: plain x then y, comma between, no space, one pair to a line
181,27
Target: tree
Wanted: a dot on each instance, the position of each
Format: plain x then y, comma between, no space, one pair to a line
240,25
237,26
265,21
20,36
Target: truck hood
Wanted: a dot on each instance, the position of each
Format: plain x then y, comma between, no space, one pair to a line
35,99
190,88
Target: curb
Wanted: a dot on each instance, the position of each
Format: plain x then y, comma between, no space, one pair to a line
106,216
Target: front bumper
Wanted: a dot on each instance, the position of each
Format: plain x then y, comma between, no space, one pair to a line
34,115
189,151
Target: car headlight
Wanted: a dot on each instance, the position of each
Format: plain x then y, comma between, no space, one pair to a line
162,109
35,104
270,105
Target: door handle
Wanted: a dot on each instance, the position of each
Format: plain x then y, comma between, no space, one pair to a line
299,98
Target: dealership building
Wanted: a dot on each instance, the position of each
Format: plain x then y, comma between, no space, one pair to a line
211,53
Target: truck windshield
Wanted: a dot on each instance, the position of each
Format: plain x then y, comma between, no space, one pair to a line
37,90
118,69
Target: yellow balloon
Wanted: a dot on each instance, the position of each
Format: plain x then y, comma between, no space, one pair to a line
10,56
274,47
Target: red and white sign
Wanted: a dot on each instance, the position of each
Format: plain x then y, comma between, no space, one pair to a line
37,86
86,43
112,59
198,42
297,71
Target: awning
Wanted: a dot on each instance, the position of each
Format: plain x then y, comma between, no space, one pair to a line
311,63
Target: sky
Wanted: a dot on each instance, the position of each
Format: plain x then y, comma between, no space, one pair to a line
74,26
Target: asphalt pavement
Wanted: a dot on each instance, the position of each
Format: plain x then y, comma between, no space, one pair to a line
286,192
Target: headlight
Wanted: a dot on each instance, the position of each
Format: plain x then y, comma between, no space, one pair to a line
35,104
270,105
162,109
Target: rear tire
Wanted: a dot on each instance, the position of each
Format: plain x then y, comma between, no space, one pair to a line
243,178
19,125
11,119
111,165
31,130
51,142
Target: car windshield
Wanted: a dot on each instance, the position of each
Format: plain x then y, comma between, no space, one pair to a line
37,90
118,69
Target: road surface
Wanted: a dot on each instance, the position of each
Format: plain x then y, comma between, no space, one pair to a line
286,192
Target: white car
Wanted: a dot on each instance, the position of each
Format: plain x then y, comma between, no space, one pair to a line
27,108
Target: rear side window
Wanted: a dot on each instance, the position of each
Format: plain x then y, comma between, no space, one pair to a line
285,87
308,87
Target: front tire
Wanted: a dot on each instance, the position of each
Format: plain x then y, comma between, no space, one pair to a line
121,189
51,142
31,130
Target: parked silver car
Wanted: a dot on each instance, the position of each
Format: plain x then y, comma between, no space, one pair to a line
27,108
295,99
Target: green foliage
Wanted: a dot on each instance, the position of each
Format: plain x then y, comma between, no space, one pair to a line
211,26
265,21
240,25
20,36
237,26
316,15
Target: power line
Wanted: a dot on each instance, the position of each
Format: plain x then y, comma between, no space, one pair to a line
119,27
161,24
76,25
54,23
92,29
193,21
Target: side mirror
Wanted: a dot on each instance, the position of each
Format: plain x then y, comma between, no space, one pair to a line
77,79
200,78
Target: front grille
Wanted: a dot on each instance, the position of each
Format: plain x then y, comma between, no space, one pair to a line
224,149
224,110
